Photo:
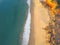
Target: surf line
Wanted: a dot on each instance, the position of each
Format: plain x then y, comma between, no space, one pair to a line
27,27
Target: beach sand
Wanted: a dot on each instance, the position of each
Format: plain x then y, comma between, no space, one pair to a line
39,20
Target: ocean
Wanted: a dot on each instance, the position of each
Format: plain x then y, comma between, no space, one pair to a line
13,14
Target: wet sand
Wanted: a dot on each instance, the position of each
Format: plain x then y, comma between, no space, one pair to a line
39,20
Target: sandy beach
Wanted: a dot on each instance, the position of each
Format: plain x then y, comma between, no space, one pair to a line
39,20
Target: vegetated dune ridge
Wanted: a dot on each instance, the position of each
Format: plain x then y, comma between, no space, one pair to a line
39,20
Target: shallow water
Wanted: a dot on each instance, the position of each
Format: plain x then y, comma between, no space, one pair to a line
26,33
13,14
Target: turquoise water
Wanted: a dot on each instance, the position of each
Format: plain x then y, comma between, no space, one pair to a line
13,14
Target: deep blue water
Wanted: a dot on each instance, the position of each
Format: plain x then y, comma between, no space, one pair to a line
13,14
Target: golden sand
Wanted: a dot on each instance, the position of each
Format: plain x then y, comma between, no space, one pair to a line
40,19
